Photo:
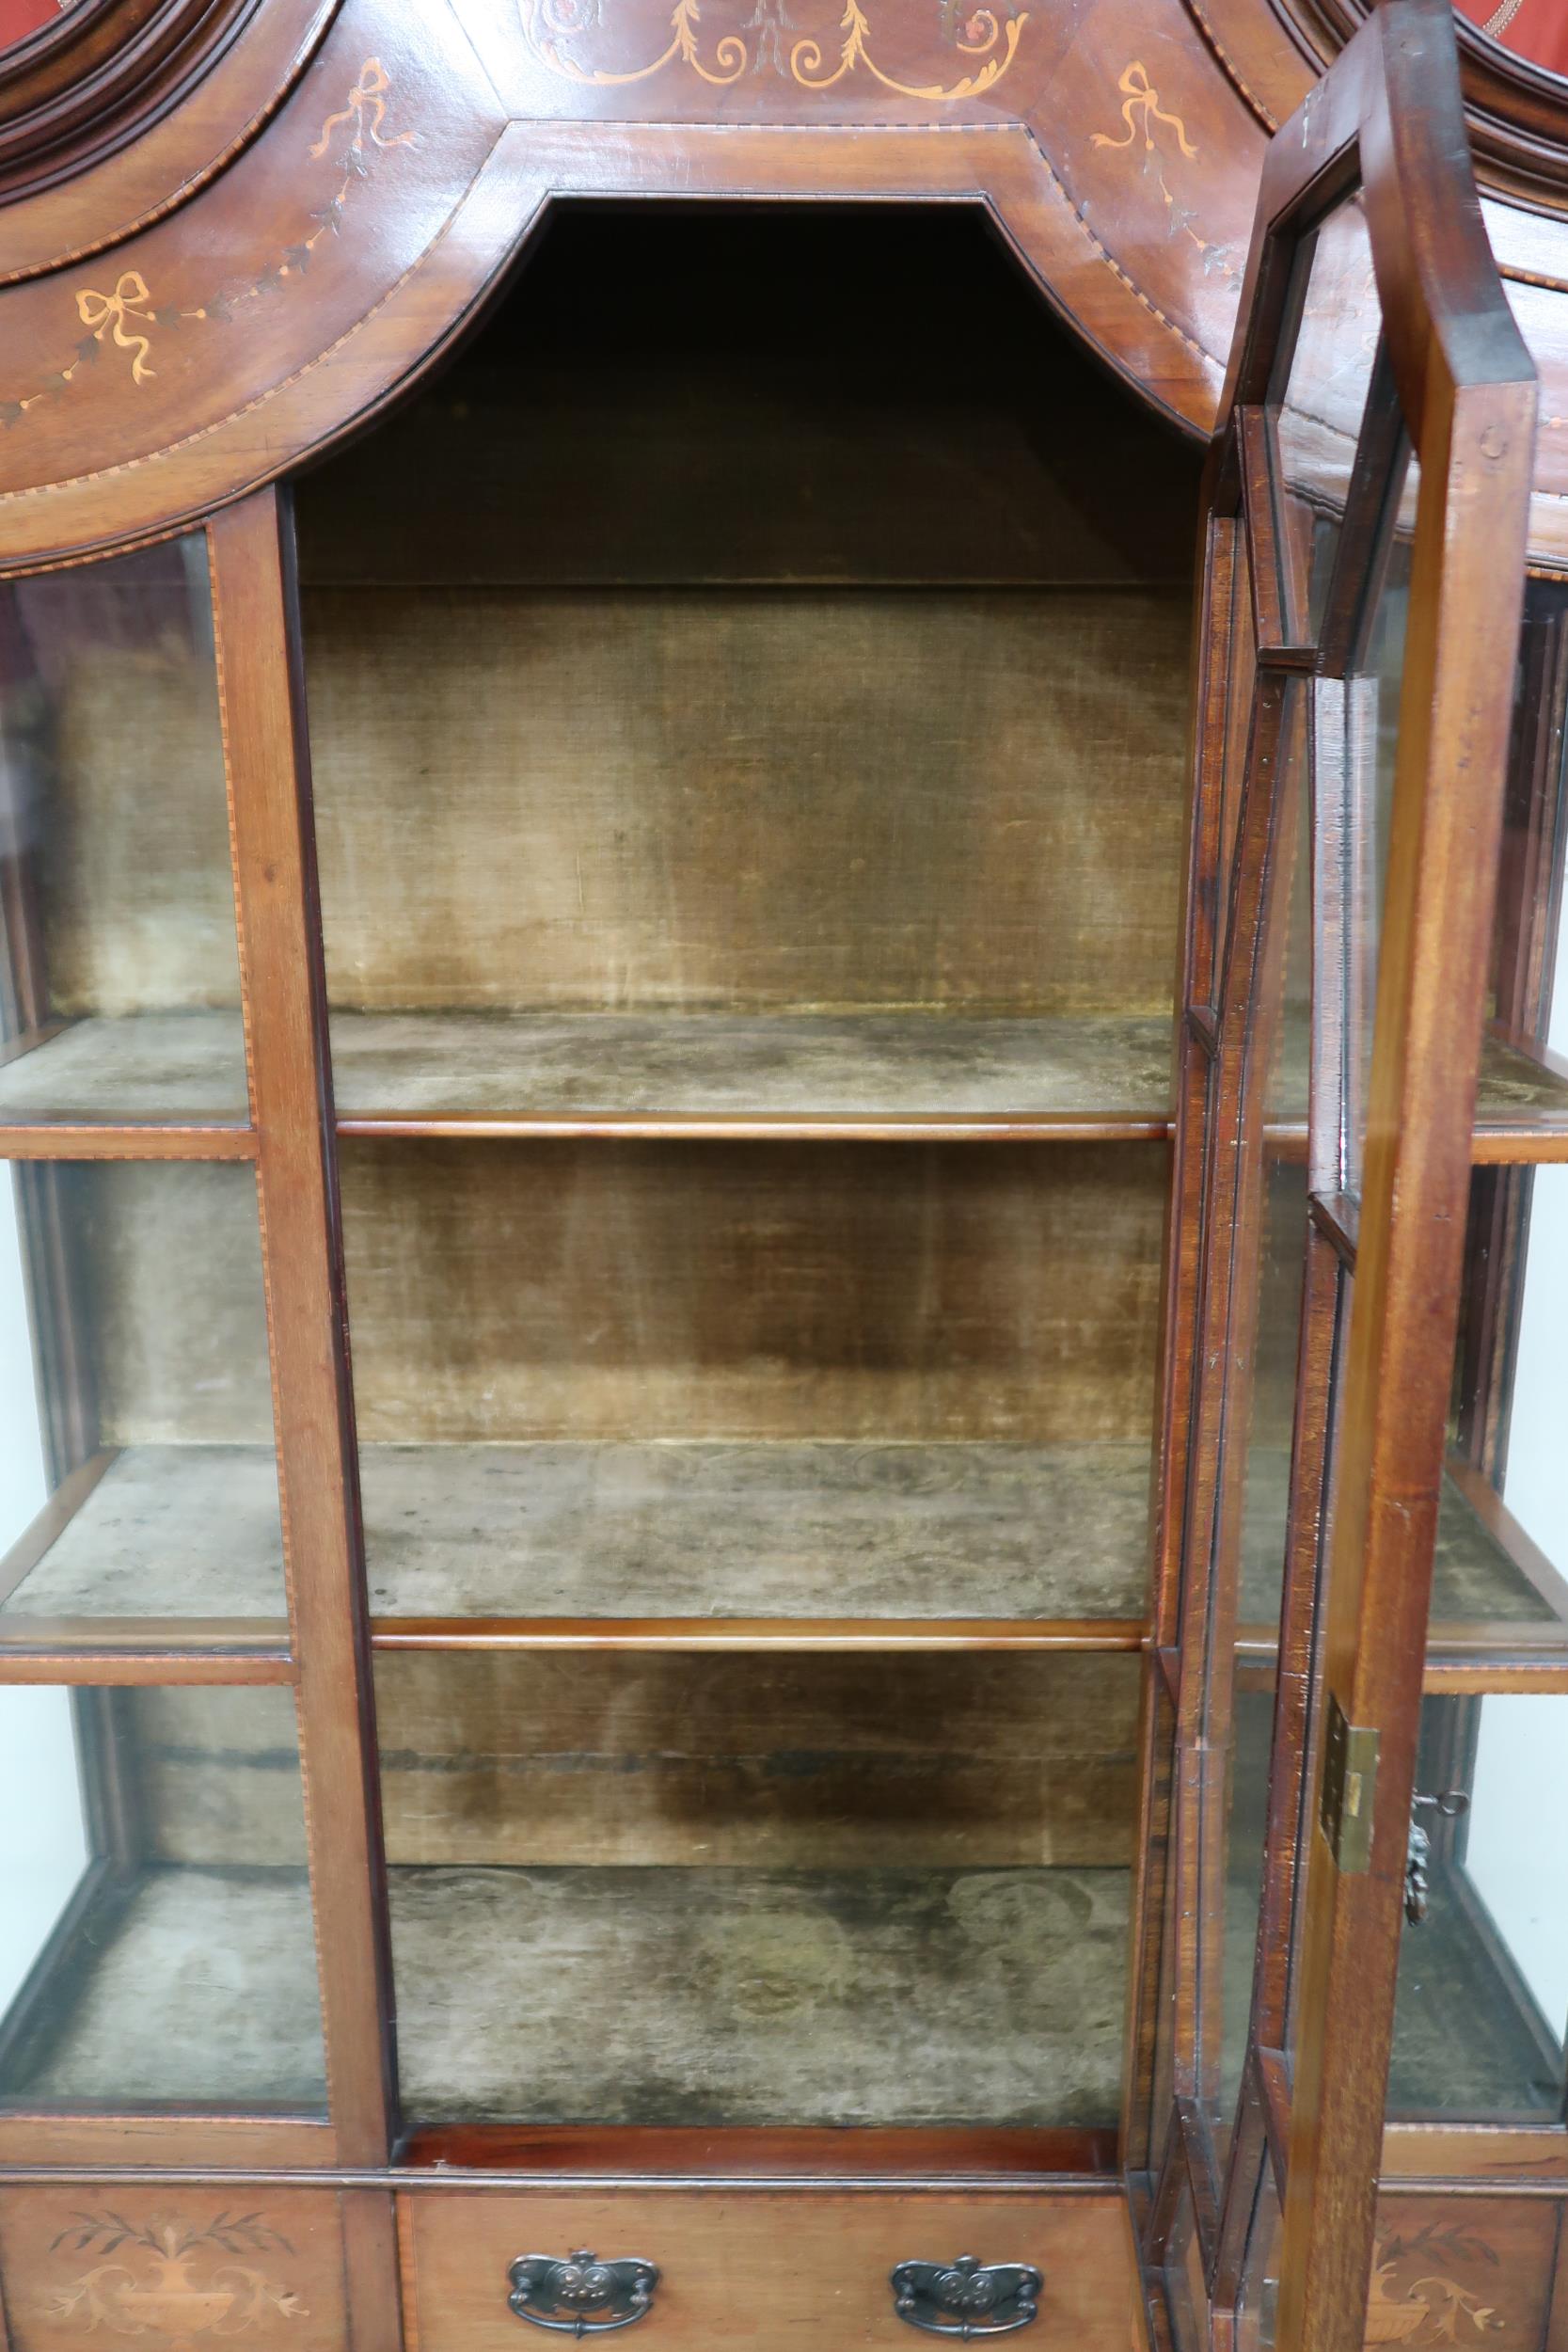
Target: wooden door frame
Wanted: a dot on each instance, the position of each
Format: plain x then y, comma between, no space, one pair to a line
1387,121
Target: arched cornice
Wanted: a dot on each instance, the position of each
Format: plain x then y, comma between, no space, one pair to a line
400,158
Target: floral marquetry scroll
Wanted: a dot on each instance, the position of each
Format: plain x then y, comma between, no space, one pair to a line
183,2279
580,40
1475,2273
184,2270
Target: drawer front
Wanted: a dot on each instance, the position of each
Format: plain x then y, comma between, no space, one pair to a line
764,2268
192,2264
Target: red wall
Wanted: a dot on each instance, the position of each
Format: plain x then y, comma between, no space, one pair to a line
21,17
1539,30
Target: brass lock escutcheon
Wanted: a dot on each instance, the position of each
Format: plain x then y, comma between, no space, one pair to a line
578,2295
968,2297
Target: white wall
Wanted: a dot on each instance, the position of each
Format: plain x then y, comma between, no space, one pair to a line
1516,1853
1535,1478
43,1844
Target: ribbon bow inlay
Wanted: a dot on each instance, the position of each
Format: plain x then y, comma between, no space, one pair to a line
1140,97
367,110
123,311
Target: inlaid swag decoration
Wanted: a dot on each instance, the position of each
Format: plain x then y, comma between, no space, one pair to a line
568,37
1154,139
128,316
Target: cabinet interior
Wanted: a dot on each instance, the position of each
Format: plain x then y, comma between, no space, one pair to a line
738,709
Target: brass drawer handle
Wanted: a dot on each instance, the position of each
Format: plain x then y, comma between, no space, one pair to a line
579,2295
967,2297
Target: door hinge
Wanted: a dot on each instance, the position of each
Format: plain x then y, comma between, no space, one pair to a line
1350,1782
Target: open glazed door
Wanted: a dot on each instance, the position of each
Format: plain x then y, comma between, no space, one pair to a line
1368,506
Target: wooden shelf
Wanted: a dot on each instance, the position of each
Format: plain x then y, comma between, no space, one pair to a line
1093,1077
802,1530
1490,1625
185,1068
1521,1105
180,1984
147,1556
1521,1108
1474,1578
690,1545
1458,2043
1461,2045
674,1995
155,1531
750,1996
646,1996
1499,1609
631,1545
539,1074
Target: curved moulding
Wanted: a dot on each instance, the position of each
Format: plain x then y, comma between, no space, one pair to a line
405,157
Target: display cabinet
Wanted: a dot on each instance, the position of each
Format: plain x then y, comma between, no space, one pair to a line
782,1552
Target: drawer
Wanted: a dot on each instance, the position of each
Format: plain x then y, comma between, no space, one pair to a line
762,2267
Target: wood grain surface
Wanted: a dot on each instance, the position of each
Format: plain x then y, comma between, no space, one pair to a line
135,2260
719,2251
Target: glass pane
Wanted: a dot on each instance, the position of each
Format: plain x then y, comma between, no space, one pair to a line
138,1477
1163,2073
1325,397
1264,1530
120,984
1482,2003
1373,689
1240,680
155,1935
1185,2290
1258,2305
1322,1494
1263,1365
1523,1055
1501,1576
1502,1571
754,1889
1291,1055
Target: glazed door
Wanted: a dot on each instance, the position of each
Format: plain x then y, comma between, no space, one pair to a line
188,1955
1368,488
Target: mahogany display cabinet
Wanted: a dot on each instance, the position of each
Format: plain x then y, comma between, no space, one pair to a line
785,1232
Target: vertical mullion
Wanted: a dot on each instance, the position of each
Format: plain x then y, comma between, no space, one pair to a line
1310,1477
1248,2155
1329,849
1187,1534
1530,887
1211,756
256,617
318,1470
1230,1214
